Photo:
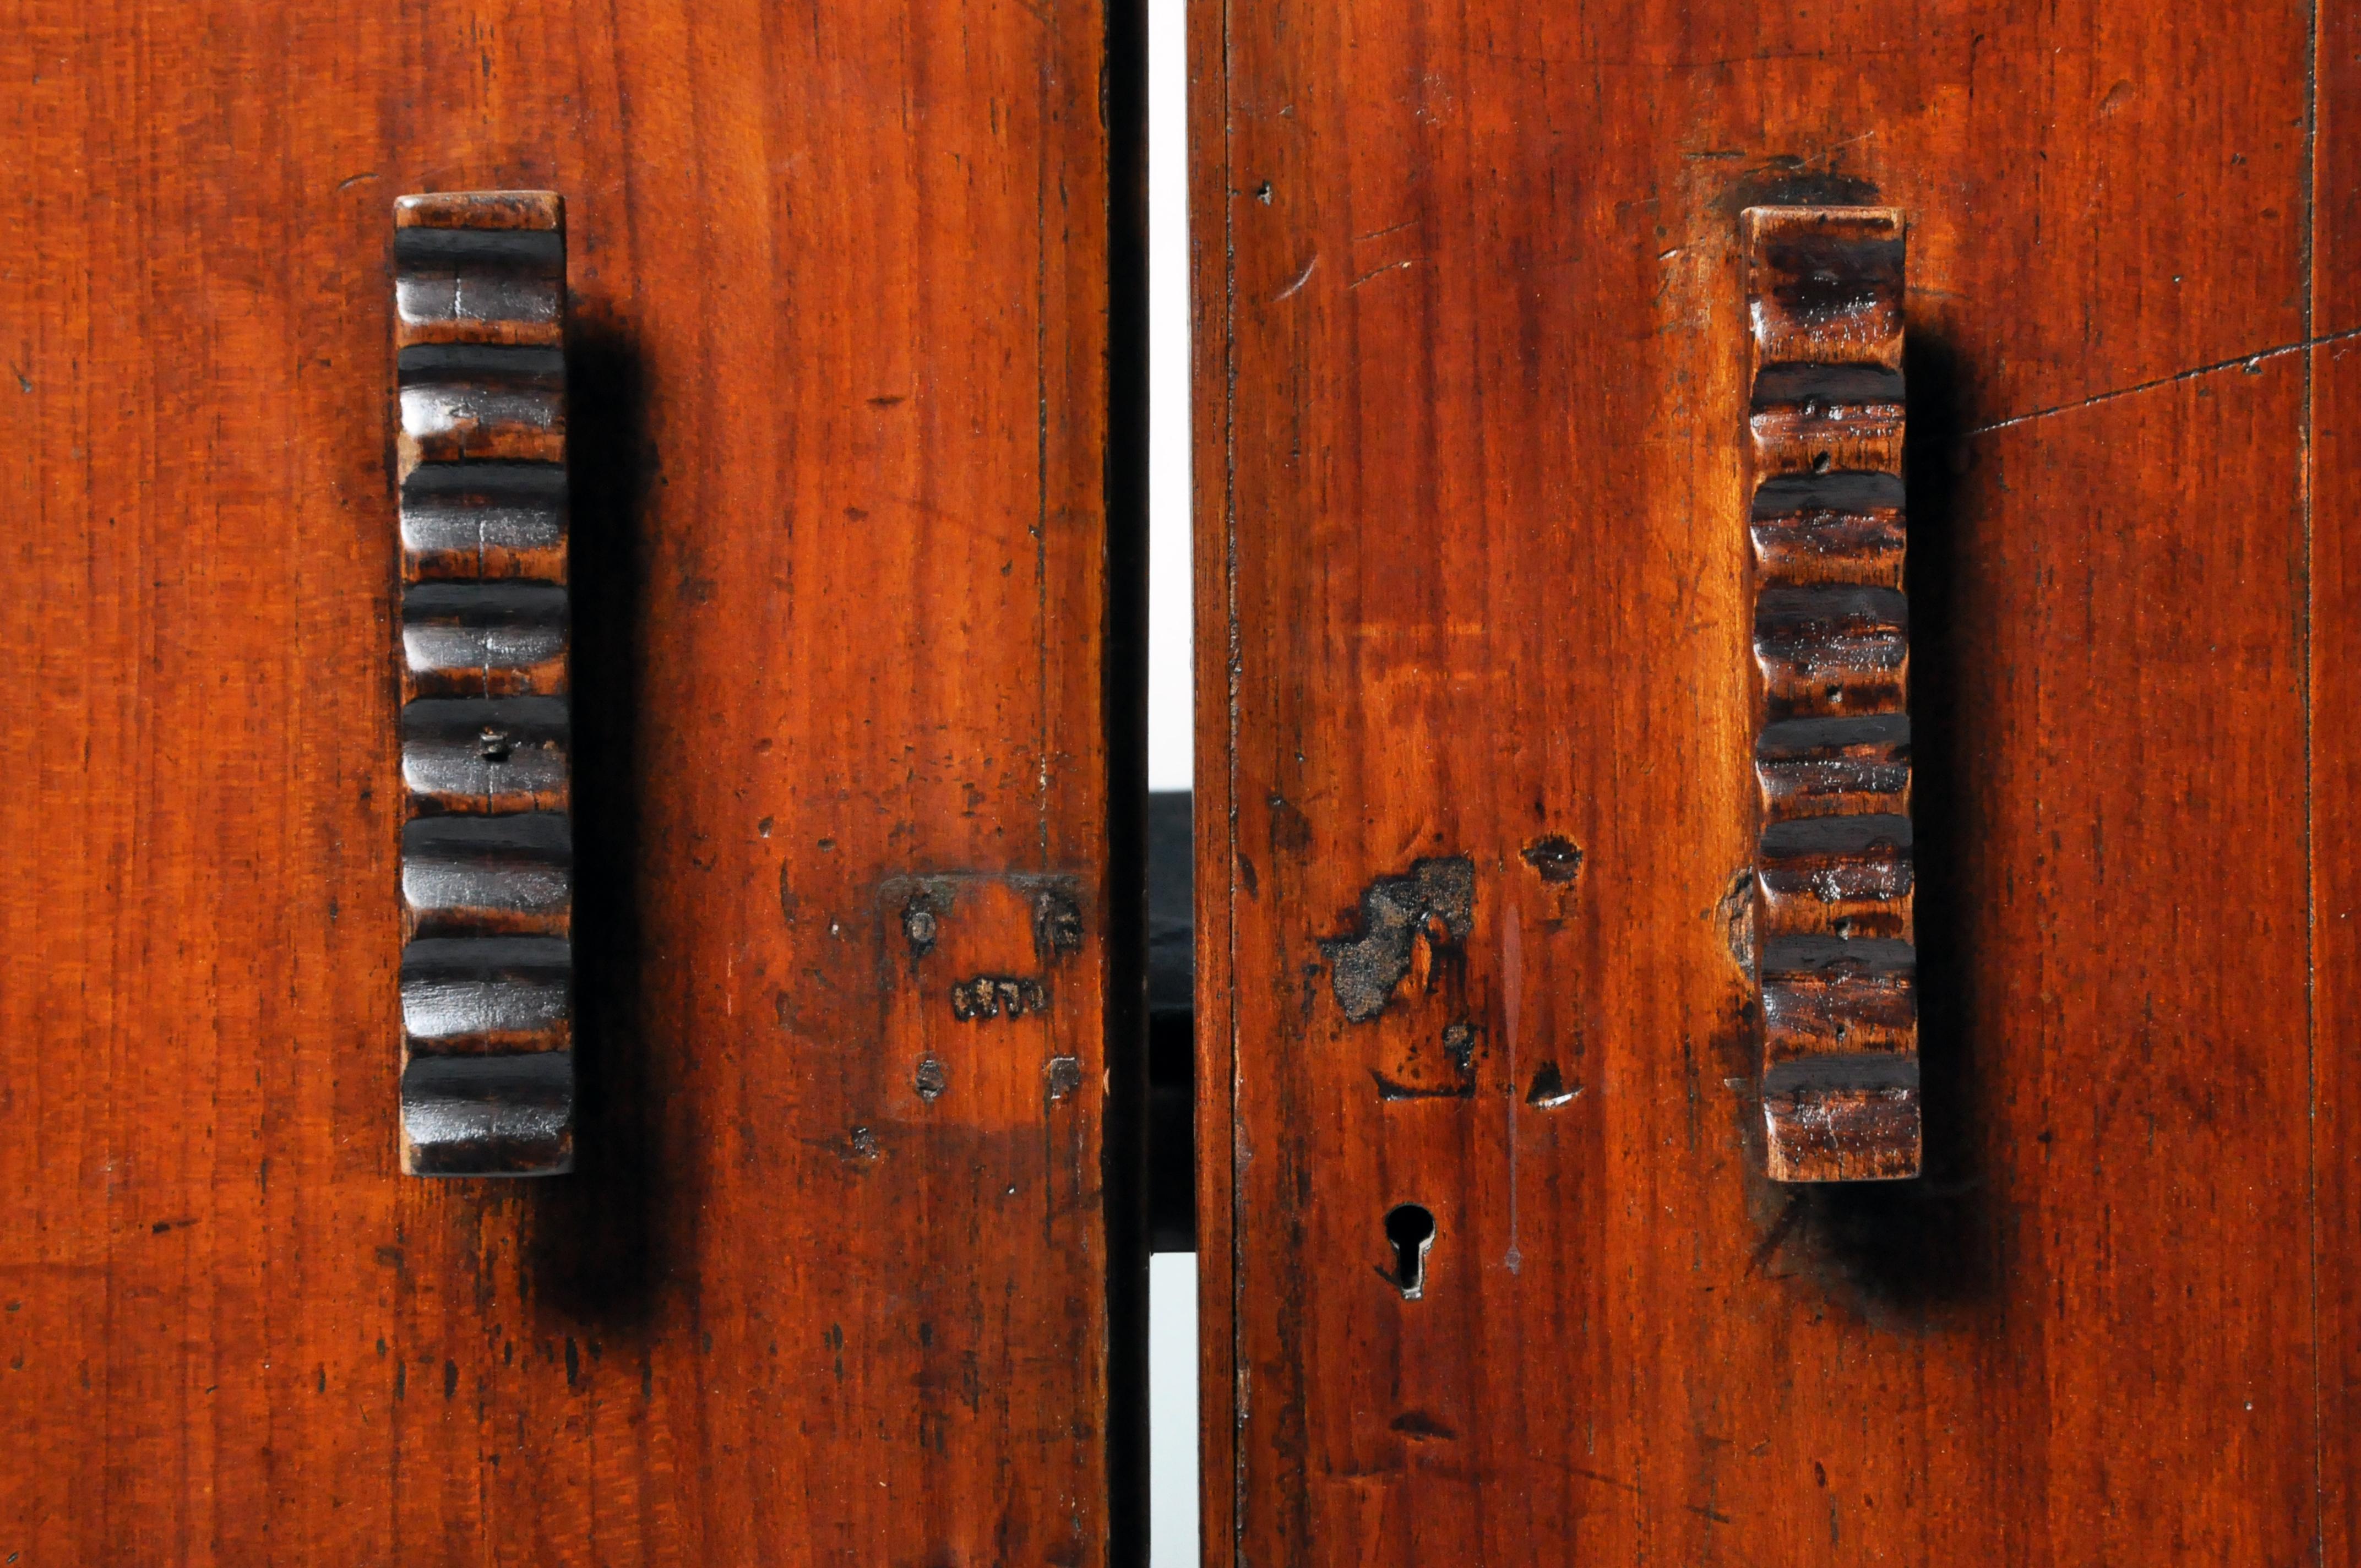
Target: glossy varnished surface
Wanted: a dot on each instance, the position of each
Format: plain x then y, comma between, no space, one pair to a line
835,402
1472,572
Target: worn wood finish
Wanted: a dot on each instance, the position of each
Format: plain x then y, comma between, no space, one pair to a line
835,370
487,848
1474,581
1833,938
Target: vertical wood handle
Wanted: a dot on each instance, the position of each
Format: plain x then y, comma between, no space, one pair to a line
1833,876
487,842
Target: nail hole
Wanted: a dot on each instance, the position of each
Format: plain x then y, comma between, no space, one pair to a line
1410,1228
1821,461
919,924
1550,1089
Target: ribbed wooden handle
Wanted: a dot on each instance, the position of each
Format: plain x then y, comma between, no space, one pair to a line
1833,877
487,843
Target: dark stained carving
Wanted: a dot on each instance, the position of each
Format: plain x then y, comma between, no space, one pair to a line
504,875
489,1115
471,521
483,639
487,846
1835,765
1831,628
485,996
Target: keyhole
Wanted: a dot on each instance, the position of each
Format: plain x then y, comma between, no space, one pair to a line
1412,1230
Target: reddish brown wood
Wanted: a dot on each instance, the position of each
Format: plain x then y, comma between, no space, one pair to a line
1833,938
1473,328
837,379
2332,370
487,849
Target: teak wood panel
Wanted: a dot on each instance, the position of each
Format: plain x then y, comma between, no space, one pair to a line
1470,356
828,1283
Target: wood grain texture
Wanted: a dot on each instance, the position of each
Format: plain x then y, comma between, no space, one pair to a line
1472,328
837,366
1836,970
2333,369
487,1074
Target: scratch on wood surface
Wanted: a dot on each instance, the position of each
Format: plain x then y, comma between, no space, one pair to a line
1635,1489
2249,362
1777,1235
1301,278
1836,146
1388,267
1512,977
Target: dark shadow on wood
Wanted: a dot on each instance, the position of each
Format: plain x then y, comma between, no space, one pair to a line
1171,1032
1791,182
593,1241
1124,102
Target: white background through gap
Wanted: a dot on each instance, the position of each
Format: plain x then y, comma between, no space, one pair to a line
1169,714
1171,1277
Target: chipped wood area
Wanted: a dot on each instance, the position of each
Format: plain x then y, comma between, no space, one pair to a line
487,844
1833,872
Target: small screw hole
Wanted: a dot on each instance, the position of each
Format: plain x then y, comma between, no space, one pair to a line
1410,1228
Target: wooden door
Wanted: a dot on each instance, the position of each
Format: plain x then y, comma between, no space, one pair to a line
1475,653
837,1277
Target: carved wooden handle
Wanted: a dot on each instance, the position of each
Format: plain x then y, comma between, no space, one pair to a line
1831,641
486,845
